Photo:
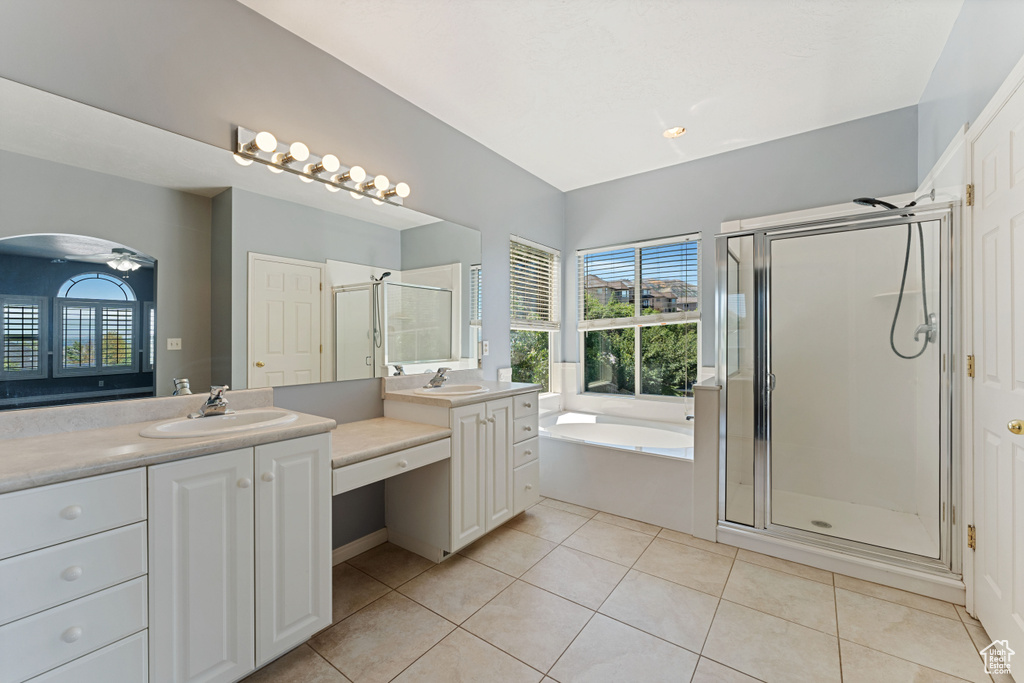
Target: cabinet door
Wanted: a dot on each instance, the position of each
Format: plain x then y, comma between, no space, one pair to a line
499,462
201,569
469,515
293,543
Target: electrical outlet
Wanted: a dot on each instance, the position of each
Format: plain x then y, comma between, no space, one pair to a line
101,383
173,344
487,348
504,374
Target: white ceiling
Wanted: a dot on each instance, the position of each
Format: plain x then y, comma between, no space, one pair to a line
578,92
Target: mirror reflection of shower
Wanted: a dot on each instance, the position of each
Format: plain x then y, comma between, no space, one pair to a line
378,338
929,328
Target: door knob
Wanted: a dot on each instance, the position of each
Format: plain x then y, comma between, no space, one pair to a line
260,364
267,476
1016,426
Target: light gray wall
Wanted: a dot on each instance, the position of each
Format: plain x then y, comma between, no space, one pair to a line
986,42
199,68
872,156
38,196
440,244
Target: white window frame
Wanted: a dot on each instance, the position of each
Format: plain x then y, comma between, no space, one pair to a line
43,347
148,337
99,368
554,326
637,320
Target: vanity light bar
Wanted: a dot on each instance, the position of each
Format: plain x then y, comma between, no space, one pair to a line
295,158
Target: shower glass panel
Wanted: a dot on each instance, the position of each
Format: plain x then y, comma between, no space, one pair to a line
855,399
739,378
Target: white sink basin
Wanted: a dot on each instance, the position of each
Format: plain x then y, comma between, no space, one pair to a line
453,390
216,425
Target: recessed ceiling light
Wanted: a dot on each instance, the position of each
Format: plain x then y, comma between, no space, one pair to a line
674,132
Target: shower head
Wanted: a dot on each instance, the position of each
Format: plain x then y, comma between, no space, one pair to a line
871,201
383,275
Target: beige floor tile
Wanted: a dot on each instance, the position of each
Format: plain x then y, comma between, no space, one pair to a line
530,624
547,523
979,637
626,523
795,568
921,602
609,651
380,640
710,671
576,576
919,637
611,542
770,648
687,539
864,665
509,551
685,565
390,564
790,597
301,665
456,588
965,617
463,658
568,507
676,613
353,590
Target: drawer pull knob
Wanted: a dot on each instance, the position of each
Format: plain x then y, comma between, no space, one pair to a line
528,428
529,487
268,476
527,404
527,452
71,512
71,573
71,635
492,419
403,463
244,483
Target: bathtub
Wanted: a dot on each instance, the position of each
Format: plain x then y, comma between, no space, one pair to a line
633,468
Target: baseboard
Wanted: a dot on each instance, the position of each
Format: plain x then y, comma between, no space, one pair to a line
360,545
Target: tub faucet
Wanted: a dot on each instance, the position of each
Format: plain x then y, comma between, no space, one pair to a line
437,380
399,370
930,329
215,404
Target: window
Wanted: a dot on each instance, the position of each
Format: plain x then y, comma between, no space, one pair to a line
96,335
149,336
639,317
534,271
23,343
96,286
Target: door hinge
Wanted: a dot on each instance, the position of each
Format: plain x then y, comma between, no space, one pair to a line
971,538
970,366
321,286
970,195
321,348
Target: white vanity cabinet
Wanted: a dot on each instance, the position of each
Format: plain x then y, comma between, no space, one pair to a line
240,550
481,469
526,452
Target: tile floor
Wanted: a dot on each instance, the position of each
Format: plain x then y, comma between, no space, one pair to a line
563,593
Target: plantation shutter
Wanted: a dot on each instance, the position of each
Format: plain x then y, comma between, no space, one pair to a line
95,337
534,285
22,337
475,296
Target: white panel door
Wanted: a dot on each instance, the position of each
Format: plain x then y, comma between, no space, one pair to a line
499,462
998,255
201,568
469,444
293,543
284,323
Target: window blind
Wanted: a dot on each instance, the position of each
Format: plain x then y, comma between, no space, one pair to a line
22,337
534,286
95,337
476,301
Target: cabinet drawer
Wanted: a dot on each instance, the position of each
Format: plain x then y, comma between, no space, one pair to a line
125,661
384,466
524,428
526,451
527,486
525,404
36,518
35,581
43,641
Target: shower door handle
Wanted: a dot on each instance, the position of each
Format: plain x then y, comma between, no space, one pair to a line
770,385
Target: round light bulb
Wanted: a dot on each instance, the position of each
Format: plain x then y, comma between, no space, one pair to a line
330,163
332,188
357,174
242,161
402,190
308,169
266,142
674,132
298,151
380,198
274,169
356,195
381,182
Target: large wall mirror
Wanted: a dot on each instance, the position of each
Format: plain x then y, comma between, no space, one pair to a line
226,274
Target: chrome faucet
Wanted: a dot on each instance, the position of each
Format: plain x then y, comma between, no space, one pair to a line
215,404
437,380
399,370
930,329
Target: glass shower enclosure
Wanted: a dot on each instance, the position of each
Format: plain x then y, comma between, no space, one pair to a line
835,354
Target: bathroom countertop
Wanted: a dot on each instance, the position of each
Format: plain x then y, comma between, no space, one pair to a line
496,390
358,441
52,458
